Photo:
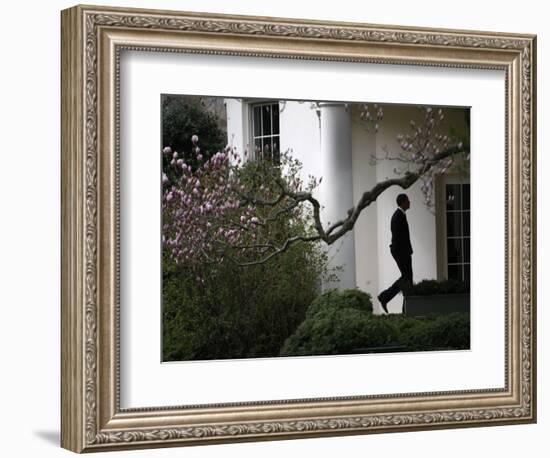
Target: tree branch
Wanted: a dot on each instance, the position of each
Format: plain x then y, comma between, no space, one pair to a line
339,228
278,250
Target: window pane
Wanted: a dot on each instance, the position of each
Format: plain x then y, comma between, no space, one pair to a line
466,196
453,224
454,250
466,249
267,148
266,120
258,146
453,197
275,146
455,272
275,149
257,118
466,223
276,157
276,119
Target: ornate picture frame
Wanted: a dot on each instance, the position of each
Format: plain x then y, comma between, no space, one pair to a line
92,40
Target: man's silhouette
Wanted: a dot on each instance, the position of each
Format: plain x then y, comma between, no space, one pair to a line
401,250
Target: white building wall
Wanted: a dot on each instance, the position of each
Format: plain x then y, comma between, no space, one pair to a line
366,227
300,132
236,124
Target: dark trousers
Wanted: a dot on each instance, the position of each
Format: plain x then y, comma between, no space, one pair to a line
404,263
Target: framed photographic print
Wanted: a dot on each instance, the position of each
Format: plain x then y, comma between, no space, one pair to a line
277,228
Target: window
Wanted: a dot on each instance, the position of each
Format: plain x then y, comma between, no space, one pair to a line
265,131
457,236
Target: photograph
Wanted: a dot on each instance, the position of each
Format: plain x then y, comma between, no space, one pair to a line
308,227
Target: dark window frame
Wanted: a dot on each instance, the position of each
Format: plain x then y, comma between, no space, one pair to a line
268,137
459,269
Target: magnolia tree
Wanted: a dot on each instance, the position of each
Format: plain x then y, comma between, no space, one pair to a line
425,152
222,209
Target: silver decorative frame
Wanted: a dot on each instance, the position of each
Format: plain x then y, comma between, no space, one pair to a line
92,38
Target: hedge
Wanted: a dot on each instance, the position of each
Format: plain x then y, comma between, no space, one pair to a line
343,323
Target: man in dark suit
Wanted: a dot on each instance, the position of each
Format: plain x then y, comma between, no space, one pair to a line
401,250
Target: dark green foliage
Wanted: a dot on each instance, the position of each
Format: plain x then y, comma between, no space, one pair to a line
235,312
183,117
432,287
335,323
338,300
343,323
338,331
437,333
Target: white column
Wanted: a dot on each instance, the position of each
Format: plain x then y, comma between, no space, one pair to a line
337,186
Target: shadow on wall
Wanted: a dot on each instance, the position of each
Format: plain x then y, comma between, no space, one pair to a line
52,437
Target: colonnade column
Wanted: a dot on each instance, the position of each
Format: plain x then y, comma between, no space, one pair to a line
337,186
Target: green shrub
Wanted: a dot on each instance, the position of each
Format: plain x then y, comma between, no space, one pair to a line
341,322
433,287
442,332
183,117
235,312
336,300
338,332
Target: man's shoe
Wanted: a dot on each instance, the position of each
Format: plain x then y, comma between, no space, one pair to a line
383,304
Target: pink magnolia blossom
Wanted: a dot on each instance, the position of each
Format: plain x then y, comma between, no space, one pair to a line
210,215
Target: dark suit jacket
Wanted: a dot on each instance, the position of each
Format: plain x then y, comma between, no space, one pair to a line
400,237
